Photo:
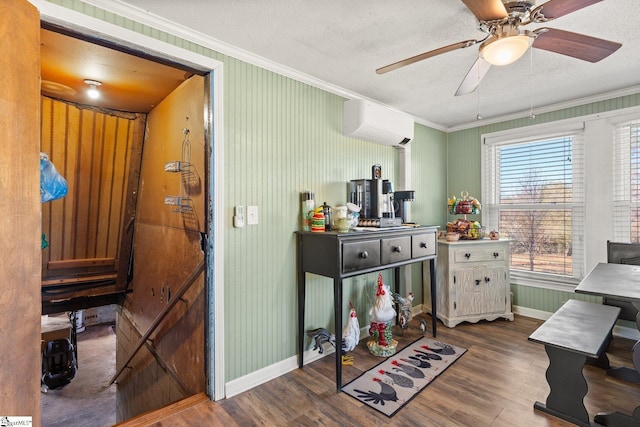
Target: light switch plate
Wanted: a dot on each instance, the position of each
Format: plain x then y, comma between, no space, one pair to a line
252,215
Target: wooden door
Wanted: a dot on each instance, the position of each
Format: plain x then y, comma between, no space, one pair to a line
20,210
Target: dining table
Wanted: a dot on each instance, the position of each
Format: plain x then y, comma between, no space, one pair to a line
620,281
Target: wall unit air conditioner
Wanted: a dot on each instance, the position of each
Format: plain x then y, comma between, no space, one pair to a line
373,122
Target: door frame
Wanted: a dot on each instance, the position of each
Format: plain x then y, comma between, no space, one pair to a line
214,268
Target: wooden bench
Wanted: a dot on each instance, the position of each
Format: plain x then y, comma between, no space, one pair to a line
577,331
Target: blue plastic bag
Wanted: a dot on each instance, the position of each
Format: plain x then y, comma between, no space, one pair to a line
52,185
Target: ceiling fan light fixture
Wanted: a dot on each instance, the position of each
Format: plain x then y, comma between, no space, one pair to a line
506,47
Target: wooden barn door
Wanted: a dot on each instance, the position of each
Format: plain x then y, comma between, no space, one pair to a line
20,210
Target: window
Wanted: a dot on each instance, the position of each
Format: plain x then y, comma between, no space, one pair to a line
534,195
627,182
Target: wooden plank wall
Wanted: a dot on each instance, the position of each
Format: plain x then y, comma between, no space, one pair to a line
92,149
167,249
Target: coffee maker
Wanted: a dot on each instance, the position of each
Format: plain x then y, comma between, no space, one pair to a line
401,204
376,200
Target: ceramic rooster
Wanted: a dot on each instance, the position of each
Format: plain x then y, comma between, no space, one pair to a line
350,337
380,316
404,305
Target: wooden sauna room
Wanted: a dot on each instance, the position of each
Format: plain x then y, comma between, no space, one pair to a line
131,231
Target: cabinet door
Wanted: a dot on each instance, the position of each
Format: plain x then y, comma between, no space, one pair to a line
480,290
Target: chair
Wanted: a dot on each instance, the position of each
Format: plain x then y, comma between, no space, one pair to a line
623,253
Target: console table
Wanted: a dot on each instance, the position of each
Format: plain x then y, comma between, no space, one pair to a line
342,255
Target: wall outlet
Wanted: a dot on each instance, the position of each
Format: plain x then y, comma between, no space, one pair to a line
238,217
252,215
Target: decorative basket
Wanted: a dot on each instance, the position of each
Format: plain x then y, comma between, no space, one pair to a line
468,230
464,206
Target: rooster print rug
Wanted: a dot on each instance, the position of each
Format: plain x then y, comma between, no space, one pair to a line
394,382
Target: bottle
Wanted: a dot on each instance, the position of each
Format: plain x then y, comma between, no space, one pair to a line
326,210
317,221
307,205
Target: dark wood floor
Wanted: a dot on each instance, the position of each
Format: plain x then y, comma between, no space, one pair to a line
495,383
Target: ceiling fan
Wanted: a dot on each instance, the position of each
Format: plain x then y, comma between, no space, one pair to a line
506,41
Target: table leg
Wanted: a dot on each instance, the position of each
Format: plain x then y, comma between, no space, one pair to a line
301,299
616,419
623,372
432,283
567,386
337,301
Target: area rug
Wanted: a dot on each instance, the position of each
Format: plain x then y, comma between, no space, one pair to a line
392,384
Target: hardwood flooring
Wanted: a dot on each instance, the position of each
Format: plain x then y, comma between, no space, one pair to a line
495,383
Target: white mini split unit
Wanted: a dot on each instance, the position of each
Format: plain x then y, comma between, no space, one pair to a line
373,122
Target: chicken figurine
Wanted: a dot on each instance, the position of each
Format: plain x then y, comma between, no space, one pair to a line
404,305
380,317
350,337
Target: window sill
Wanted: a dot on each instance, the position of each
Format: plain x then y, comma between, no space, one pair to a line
543,281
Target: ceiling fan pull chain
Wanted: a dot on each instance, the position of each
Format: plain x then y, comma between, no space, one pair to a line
479,116
531,85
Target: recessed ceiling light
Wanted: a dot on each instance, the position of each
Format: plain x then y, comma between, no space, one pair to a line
93,91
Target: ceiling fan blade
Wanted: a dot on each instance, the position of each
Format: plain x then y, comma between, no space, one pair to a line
486,10
413,59
556,8
576,45
473,77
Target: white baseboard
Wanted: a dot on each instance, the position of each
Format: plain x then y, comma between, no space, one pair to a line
271,372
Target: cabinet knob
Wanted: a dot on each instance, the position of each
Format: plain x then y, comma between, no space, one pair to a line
423,244
477,282
467,255
364,254
487,280
397,249
496,254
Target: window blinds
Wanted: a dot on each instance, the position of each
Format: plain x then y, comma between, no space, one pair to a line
626,190
534,195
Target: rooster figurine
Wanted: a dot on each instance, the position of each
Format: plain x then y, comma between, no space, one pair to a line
380,316
350,337
404,305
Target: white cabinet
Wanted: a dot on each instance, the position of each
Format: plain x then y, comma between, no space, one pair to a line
472,279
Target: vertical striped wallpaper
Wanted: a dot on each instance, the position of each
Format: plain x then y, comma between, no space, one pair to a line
282,137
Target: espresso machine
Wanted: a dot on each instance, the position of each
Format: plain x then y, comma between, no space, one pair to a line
376,200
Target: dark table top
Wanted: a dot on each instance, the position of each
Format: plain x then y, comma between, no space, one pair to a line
615,280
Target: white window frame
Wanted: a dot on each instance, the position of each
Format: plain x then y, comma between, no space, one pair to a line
622,188
490,215
599,166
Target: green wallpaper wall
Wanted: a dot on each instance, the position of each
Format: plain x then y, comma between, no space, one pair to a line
281,137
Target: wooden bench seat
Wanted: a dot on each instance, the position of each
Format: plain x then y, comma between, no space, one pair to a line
577,331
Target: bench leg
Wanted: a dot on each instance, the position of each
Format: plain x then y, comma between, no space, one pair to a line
567,385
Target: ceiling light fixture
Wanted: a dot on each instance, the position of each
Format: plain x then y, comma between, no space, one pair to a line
506,45
93,91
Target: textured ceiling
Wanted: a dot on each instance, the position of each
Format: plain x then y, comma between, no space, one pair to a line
343,43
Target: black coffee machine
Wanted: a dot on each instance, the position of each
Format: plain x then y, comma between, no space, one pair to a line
375,197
